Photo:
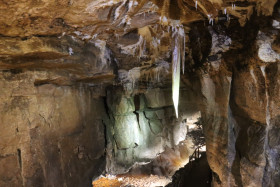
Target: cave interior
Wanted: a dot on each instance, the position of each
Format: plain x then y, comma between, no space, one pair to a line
140,93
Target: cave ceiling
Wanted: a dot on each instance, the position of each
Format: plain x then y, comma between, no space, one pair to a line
27,18
69,35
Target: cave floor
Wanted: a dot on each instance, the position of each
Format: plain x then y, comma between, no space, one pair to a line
131,180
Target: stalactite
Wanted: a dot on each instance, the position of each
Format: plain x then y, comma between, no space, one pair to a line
142,46
178,55
133,49
165,8
176,75
70,51
233,6
183,48
133,76
104,53
165,12
118,10
228,17
211,20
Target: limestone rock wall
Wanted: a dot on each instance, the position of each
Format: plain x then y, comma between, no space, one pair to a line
241,126
140,127
50,136
241,107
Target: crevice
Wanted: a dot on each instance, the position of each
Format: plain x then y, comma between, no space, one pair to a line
137,102
106,106
45,120
216,177
151,128
138,121
149,124
105,135
235,169
19,159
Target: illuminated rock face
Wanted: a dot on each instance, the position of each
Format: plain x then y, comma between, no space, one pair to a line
86,87
140,127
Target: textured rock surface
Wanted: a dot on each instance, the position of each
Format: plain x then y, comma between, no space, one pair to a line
73,71
140,127
50,136
241,99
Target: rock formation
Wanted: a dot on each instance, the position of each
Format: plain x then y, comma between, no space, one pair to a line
89,87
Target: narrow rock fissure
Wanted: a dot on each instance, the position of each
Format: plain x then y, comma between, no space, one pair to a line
19,159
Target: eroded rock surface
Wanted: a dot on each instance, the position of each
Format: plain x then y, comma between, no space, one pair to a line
241,110
50,136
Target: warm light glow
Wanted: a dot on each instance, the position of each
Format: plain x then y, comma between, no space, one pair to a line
128,180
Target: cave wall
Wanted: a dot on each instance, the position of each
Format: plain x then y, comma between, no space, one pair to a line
50,135
141,126
241,127
240,112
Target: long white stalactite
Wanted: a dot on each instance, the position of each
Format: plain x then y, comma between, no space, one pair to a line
178,55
